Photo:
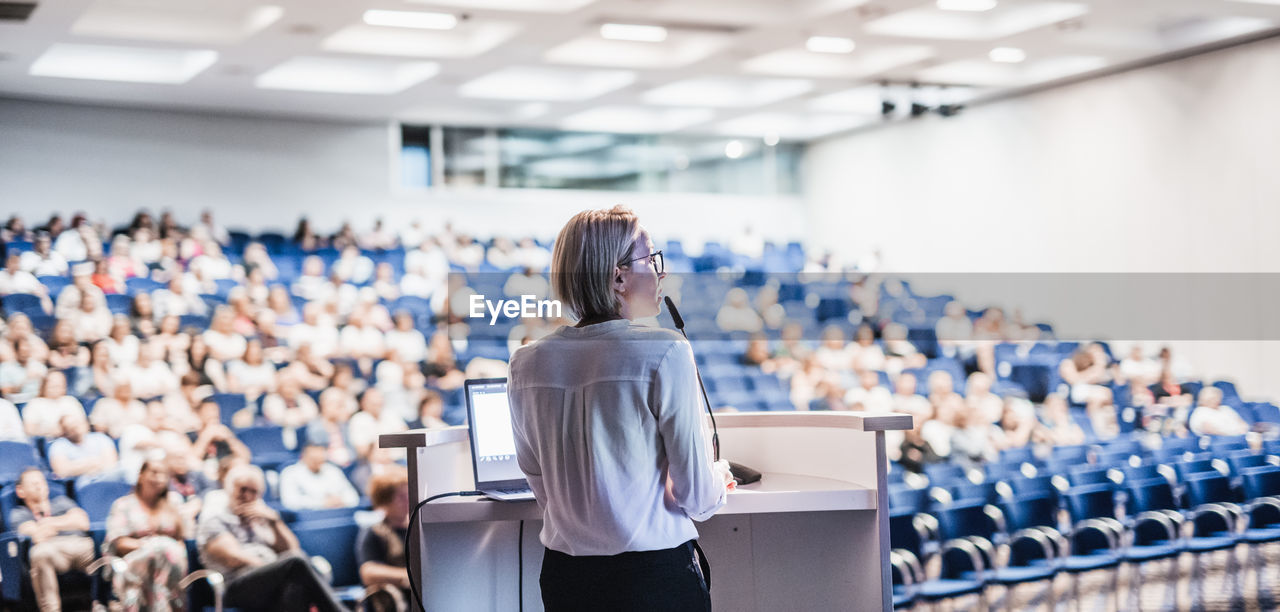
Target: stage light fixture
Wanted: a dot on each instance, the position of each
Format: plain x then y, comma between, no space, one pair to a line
633,32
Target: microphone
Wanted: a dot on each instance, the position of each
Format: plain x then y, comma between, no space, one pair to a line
741,473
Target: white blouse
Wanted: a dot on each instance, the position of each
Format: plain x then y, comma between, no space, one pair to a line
609,430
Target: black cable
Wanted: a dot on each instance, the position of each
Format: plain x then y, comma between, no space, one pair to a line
520,564
715,433
413,518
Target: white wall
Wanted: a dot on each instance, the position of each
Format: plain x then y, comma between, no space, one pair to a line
265,173
1171,168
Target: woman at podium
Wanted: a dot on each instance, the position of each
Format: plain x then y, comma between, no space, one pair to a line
609,431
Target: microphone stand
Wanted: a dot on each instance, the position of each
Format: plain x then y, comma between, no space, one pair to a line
741,473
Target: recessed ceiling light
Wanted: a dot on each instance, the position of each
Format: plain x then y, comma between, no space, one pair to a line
829,44
1007,55
411,19
131,64
771,139
966,5
734,149
633,32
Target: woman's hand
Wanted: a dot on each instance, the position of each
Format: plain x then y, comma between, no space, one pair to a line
721,467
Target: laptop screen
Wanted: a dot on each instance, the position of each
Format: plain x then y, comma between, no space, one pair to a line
493,444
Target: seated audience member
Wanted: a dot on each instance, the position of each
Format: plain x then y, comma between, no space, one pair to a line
914,452
215,441
984,405
11,422
289,407
954,330
42,260
224,343
834,355
147,530
1017,423
1059,428
1168,391
900,353
83,455
793,349
314,483
441,366
380,547
941,387
430,412
869,395
1087,372
59,532
13,279
867,355
1139,369
737,314
177,300
257,554
971,444
151,376
21,372
757,353
1213,418
251,376
111,415
371,421
65,352
907,401
408,343
828,395
940,430
81,288
42,416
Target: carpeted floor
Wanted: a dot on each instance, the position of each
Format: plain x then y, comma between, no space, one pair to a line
1239,579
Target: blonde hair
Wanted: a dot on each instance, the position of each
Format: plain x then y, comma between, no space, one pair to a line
587,250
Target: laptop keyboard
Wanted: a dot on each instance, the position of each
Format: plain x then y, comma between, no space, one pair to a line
514,490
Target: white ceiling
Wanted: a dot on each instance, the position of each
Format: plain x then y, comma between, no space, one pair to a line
738,67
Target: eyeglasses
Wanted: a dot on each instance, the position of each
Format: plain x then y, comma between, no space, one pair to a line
243,490
655,260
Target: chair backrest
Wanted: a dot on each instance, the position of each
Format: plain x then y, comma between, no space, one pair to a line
1078,452
335,540
1221,444
902,532
16,457
1208,488
228,405
1261,482
265,439
1181,445
907,498
1035,486
1241,460
944,474
963,520
96,498
1153,494
967,492
1141,472
1025,511
1090,501
1016,455
1090,475
1198,466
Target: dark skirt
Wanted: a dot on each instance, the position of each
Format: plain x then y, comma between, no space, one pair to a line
668,580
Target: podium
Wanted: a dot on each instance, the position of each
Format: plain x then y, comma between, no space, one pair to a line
813,534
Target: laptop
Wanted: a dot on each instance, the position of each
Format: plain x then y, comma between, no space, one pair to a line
493,443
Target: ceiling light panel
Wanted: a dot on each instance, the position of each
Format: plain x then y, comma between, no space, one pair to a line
1007,55
410,19
726,92
635,119
130,64
680,49
467,40
858,100
1005,20
524,6
967,5
633,32
546,84
830,44
202,23
346,75
797,62
792,125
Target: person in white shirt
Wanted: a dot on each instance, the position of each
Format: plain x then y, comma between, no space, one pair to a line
955,331
984,405
311,284
42,260
869,395
408,343
1213,418
314,483
92,321
111,415
11,428
223,342
251,376
13,279
177,300
737,314
289,407
353,267
372,421
41,415
609,411
81,285
359,340
151,376
315,332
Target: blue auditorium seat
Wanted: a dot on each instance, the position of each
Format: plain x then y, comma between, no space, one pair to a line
96,499
17,456
22,302
267,446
